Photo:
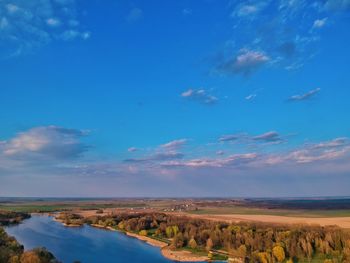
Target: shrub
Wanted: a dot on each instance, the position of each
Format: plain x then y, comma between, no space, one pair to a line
192,243
143,233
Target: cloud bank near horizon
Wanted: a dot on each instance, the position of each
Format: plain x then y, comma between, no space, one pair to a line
60,154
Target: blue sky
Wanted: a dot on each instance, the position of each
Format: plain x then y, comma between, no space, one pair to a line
174,98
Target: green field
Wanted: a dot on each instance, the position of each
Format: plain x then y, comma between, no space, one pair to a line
46,206
198,206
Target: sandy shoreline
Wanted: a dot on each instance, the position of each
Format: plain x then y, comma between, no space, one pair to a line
182,255
148,240
65,224
176,255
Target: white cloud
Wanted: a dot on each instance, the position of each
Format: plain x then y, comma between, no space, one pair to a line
319,23
279,28
70,35
232,160
308,156
53,22
45,142
174,144
246,10
250,97
229,137
200,95
270,136
246,62
133,149
308,95
32,24
337,142
327,151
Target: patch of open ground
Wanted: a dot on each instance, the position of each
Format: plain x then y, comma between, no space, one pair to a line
343,222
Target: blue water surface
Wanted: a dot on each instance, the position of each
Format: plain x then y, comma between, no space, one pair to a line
86,244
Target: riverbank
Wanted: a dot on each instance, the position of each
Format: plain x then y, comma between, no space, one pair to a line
182,255
148,240
65,224
85,244
167,252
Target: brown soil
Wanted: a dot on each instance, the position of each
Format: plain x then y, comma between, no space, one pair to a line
343,222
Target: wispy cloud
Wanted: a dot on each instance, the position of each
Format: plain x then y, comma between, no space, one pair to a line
246,62
200,95
337,142
162,156
319,23
310,155
279,30
163,152
247,9
69,35
133,149
174,144
27,25
308,95
229,138
220,152
337,5
56,150
232,160
267,137
251,96
54,22
270,136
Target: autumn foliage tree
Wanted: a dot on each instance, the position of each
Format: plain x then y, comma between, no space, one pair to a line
278,253
192,243
253,242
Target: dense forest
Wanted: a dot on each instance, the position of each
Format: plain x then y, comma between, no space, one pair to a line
250,242
11,251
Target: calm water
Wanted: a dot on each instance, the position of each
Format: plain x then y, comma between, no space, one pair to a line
86,244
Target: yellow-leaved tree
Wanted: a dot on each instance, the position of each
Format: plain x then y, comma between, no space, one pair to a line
278,253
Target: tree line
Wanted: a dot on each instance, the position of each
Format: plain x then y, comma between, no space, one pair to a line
251,242
9,217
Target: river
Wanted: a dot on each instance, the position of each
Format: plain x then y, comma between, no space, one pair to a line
85,244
